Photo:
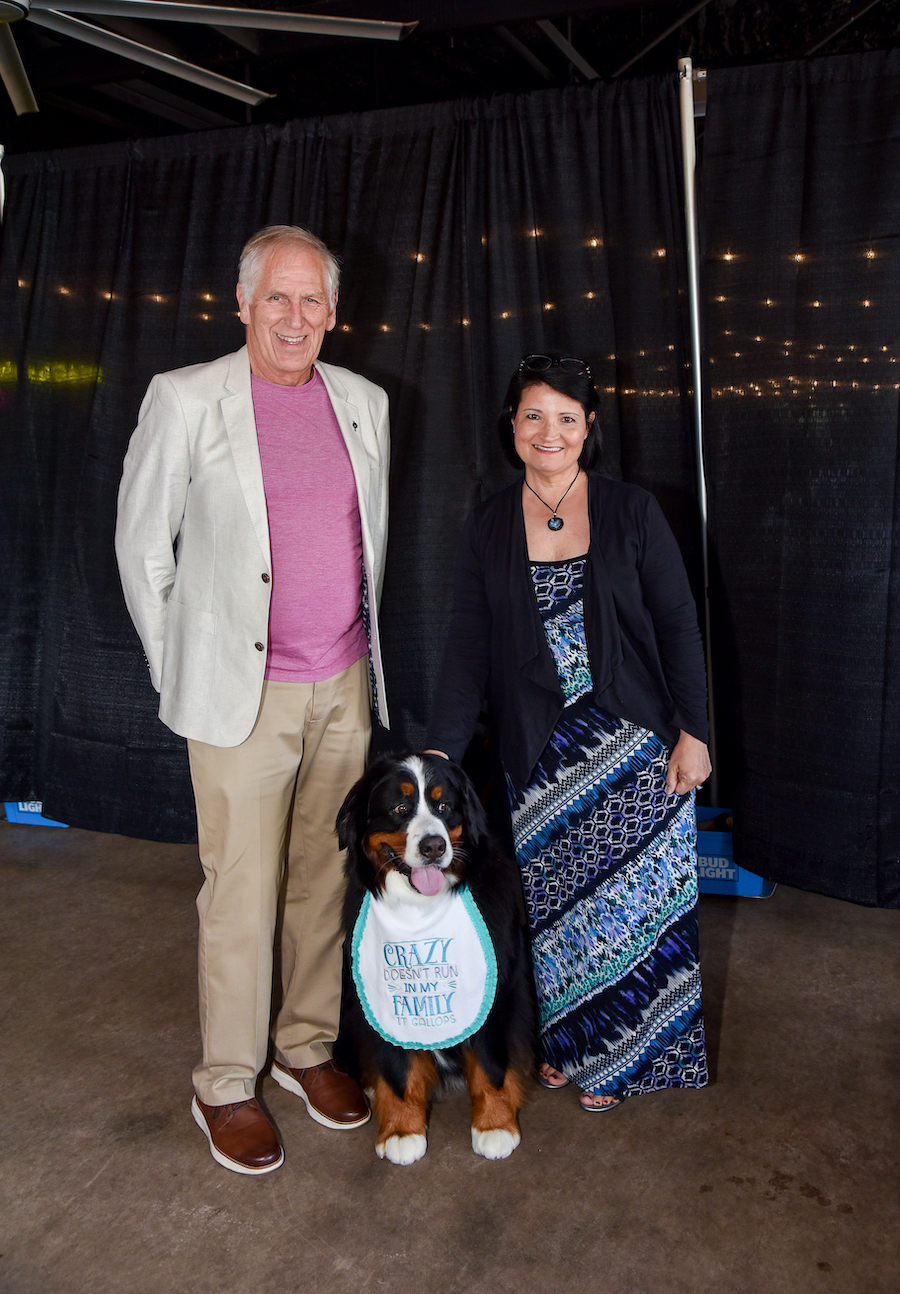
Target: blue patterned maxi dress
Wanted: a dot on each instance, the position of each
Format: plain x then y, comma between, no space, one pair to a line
608,864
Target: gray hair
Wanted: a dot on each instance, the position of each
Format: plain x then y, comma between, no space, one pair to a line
265,241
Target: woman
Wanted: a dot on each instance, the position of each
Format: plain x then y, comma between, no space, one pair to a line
573,617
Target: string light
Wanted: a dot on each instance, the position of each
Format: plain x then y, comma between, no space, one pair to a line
811,387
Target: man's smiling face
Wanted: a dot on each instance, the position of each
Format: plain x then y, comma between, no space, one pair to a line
289,315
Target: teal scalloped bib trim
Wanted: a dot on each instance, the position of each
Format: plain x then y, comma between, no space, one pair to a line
425,980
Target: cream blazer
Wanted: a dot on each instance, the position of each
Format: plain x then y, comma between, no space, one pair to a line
192,538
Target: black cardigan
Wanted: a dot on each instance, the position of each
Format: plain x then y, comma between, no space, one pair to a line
640,620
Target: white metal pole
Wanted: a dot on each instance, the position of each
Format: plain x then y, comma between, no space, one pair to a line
689,160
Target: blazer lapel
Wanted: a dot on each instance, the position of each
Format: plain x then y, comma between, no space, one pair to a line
240,424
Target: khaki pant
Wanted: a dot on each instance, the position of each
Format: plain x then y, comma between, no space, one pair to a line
266,812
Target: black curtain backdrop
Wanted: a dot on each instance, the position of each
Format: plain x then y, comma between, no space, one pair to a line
469,233
800,217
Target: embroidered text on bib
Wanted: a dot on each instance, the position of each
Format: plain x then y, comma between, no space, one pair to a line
424,981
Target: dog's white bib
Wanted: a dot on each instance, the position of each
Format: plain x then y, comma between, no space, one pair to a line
425,980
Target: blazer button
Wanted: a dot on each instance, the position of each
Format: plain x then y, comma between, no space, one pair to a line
265,578
260,646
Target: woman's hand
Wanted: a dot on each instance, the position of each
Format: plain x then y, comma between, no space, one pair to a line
689,766
443,754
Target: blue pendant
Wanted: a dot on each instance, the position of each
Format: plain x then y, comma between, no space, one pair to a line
555,523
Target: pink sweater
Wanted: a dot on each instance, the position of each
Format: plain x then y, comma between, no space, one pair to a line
315,620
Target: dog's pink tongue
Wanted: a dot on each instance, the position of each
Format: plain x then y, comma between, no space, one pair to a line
427,880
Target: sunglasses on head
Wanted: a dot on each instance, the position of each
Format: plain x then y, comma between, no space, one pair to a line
540,364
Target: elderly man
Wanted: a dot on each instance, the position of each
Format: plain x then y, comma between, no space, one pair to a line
251,537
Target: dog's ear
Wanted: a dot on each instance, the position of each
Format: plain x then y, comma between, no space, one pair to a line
476,818
348,818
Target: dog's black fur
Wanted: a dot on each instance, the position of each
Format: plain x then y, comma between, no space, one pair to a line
372,826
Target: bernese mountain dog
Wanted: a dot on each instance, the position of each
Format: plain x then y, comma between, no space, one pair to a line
438,985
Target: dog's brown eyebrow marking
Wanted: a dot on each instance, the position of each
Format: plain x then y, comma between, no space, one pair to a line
436,792
407,788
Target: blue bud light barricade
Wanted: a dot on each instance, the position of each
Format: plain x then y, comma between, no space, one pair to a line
29,812
717,872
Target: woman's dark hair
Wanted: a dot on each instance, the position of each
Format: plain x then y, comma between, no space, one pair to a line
577,386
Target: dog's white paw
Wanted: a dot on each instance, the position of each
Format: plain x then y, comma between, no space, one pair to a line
497,1143
403,1150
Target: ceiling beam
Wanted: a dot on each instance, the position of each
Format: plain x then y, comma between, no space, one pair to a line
580,64
524,52
243,36
842,26
661,37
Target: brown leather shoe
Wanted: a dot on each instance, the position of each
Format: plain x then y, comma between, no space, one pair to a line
332,1097
240,1136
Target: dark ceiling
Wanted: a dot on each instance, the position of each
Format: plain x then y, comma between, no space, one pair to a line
460,48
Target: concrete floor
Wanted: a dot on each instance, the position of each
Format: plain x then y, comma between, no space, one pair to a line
780,1177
